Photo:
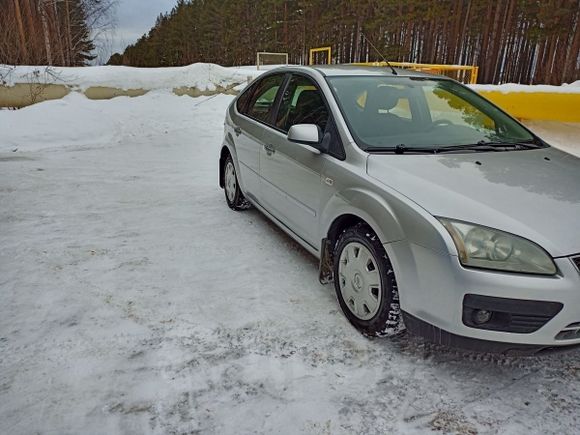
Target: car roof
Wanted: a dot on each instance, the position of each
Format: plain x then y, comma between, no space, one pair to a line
357,70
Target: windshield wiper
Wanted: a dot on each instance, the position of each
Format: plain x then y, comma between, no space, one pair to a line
529,144
403,149
480,146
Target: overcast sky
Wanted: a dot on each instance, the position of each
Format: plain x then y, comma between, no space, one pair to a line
134,18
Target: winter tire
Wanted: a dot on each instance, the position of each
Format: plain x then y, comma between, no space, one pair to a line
365,283
234,196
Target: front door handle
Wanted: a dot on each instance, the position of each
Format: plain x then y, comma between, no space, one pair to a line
237,130
269,149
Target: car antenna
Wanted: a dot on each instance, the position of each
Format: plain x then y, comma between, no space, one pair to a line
380,54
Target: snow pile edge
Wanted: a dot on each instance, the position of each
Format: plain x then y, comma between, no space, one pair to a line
201,76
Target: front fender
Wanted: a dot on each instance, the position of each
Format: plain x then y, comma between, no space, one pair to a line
366,205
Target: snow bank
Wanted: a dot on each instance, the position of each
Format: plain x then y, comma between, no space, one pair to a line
72,120
203,76
78,122
508,88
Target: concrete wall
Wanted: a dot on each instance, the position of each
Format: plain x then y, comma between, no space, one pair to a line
22,94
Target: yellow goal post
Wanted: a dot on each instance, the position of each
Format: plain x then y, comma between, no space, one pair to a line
463,73
327,50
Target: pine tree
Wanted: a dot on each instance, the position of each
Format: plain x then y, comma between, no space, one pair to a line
524,41
49,31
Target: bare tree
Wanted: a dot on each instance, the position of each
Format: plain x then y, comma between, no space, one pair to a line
45,30
18,15
100,19
53,32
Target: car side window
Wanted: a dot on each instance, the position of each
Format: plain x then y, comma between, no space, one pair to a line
242,102
302,103
261,103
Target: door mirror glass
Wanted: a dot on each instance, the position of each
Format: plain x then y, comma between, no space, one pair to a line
306,134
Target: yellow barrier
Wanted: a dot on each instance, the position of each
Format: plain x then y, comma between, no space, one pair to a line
543,106
462,73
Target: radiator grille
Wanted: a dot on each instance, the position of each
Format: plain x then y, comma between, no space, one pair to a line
525,324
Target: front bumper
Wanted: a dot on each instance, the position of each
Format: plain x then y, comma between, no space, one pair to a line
435,335
434,288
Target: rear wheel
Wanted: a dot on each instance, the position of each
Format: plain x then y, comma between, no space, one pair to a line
365,283
234,196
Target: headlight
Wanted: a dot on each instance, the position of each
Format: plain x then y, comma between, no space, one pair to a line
493,249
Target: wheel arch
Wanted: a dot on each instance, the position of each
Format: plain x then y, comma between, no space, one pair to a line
224,153
353,206
227,149
347,208
342,223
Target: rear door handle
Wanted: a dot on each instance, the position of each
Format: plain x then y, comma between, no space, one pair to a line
269,149
237,130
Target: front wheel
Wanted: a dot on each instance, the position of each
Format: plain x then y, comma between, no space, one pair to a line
365,283
234,196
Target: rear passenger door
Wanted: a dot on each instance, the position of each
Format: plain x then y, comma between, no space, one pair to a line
256,107
291,173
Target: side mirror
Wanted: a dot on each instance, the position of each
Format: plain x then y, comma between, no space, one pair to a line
305,134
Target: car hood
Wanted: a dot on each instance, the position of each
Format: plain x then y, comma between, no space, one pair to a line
533,193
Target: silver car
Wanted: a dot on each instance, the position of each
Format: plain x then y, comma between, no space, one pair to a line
429,207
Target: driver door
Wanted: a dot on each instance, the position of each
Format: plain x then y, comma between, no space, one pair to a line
290,174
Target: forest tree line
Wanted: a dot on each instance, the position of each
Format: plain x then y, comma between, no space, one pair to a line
523,41
51,32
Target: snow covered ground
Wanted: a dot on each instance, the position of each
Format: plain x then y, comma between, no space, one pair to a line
134,301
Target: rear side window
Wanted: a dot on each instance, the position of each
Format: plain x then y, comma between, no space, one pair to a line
261,103
242,103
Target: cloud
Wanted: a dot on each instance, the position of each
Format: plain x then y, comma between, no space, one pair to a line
135,18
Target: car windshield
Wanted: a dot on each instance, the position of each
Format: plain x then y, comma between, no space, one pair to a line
389,112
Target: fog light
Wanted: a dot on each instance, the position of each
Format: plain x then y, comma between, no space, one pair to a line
481,316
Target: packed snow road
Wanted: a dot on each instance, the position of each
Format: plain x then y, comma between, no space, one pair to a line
132,300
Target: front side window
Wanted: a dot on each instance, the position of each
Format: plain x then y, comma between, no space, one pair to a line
388,112
302,103
261,103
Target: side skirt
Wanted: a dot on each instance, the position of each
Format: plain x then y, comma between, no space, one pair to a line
311,249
